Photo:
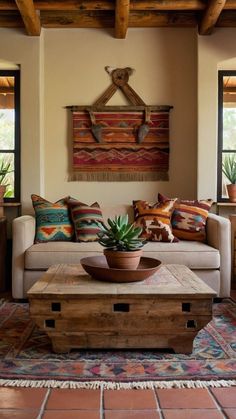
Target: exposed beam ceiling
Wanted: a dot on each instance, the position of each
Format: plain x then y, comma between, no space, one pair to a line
120,15
122,18
211,15
29,17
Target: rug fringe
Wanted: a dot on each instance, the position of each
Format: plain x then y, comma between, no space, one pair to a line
111,385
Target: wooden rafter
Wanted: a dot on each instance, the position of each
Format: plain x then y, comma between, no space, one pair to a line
106,20
83,5
122,18
29,16
7,89
120,14
211,15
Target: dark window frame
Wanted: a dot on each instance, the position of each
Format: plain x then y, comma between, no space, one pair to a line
221,75
16,150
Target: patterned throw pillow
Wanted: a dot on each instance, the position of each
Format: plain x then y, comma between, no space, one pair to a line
189,218
52,220
155,220
85,220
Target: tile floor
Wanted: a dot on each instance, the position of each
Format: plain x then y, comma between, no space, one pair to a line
32,403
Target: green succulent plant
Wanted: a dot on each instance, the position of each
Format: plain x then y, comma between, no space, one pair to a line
121,235
229,167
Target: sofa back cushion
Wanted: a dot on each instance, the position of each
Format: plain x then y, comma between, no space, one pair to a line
86,220
189,218
52,220
155,220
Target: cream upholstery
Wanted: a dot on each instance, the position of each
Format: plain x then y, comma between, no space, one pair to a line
211,261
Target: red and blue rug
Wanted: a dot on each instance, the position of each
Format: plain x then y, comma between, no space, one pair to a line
26,358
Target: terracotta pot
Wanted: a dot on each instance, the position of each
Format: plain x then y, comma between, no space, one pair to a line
123,260
232,192
2,192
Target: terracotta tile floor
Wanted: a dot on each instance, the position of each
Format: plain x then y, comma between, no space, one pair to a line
33,403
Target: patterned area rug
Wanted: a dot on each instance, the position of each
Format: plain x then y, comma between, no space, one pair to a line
27,358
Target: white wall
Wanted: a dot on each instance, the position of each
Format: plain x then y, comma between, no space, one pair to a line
165,64
215,52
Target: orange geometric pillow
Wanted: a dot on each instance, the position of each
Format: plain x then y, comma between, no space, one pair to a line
155,220
189,218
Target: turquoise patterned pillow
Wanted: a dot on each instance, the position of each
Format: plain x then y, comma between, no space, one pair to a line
52,220
85,220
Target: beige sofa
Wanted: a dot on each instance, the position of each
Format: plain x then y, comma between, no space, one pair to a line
211,261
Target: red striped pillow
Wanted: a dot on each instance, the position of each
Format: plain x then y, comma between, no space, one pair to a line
85,218
189,218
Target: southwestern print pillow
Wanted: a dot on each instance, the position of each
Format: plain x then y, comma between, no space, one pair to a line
86,219
189,218
155,220
52,220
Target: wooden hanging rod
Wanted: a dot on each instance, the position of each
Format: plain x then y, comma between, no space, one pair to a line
163,108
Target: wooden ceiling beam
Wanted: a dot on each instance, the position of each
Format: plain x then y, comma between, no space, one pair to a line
227,19
7,5
211,15
29,16
121,18
106,20
229,89
7,89
77,19
10,20
71,5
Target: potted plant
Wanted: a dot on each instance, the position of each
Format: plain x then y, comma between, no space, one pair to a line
229,170
122,242
5,168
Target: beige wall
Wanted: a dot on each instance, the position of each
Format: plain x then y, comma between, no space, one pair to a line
65,67
165,64
18,49
215,52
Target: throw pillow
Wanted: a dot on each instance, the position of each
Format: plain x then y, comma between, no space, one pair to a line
85,219
155,220
189,218
52,220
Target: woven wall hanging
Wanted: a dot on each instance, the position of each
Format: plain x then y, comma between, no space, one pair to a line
120,143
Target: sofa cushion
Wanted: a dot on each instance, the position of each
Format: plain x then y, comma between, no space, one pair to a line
155,220
189,218
85,218
195,255
52,220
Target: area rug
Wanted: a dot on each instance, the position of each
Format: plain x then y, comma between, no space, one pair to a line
27,358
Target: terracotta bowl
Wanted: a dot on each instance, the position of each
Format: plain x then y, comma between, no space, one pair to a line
97,267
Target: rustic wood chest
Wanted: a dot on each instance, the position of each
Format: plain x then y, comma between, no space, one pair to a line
165,311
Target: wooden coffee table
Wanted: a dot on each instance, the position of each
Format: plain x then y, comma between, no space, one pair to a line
165,311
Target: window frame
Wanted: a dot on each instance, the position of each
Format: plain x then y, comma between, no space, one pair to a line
16,150
221,75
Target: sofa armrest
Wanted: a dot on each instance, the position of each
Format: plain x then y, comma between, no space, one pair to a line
23,232
219,236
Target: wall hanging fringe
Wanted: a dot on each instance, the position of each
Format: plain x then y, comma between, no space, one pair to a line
117,177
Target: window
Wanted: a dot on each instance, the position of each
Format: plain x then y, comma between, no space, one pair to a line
10,131
226,127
